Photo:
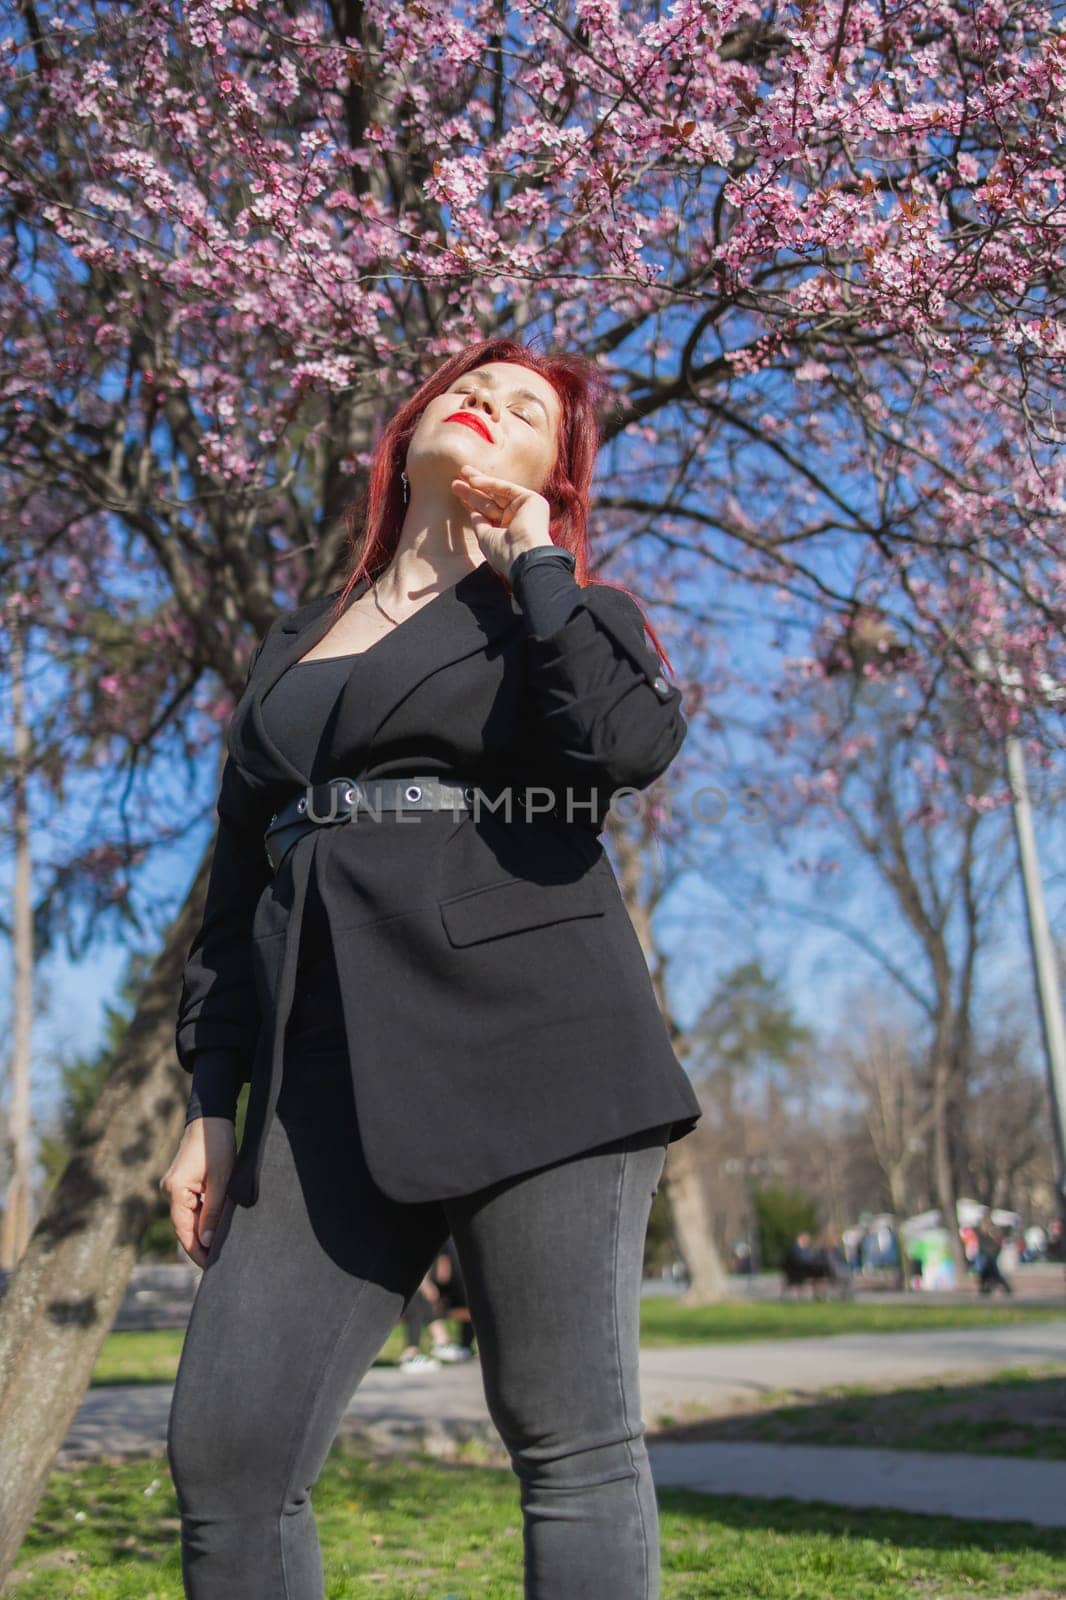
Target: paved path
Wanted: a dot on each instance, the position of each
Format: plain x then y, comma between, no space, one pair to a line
725,1375
394,1408
995,1488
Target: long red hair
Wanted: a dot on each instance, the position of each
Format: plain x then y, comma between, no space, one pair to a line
374,521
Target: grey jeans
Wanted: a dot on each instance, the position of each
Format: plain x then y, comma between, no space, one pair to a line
300,1292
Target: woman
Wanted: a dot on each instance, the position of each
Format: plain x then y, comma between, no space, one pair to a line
415,948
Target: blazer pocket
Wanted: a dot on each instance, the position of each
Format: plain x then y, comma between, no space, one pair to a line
516,904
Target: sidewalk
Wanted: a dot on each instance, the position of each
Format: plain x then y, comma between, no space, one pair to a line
727,1375
981,1488
396,1410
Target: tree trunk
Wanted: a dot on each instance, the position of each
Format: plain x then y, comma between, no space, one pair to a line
15,1228
897,1188
687,1188
685,1177
62,1299
943,1162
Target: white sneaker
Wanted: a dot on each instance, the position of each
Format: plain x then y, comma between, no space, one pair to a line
452,1352
417,1363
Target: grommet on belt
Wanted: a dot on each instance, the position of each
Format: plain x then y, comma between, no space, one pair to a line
338,799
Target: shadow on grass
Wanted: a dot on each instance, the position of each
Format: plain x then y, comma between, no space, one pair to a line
778,1549
1016,1413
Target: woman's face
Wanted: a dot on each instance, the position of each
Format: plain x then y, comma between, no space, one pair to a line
519,415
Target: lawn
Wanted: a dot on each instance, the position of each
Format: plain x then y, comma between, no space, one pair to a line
426,1530
1018,1412
153,1357
663,1322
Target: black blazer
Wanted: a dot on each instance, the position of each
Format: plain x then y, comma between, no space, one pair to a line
498,1008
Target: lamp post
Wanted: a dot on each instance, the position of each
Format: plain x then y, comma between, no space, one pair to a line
1045,968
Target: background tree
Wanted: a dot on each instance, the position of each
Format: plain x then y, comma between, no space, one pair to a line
1008,1148
15,1225
781,1214
885,1066
82,1076
748,1057
933,830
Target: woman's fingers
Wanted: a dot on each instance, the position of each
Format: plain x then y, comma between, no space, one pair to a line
495,489
473,493
210,1212
491,488
184,1215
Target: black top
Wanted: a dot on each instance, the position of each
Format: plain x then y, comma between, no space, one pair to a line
298,712
299,708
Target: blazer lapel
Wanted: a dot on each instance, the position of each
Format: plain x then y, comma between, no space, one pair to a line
455,623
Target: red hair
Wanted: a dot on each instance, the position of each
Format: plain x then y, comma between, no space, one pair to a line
374,521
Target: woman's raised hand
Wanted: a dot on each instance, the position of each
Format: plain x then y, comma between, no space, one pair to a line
507,517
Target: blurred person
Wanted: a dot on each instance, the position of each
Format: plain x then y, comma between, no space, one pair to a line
986,1262
440,1295
1035,1243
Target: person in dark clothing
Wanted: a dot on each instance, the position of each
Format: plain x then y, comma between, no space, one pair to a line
440,1295
807,1263
989,1245
448,1030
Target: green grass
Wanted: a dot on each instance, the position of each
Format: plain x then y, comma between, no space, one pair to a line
1020,1411
153,1357
425,1530
663,1322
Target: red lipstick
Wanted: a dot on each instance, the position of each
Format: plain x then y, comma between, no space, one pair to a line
471,422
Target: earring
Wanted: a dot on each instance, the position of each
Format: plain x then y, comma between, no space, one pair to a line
403,480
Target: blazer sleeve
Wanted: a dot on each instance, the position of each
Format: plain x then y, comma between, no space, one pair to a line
601,712
218,1015
217,1079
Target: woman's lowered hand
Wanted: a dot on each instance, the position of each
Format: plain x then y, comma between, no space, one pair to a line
196,1180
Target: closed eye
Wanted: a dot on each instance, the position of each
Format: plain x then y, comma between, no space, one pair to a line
521,414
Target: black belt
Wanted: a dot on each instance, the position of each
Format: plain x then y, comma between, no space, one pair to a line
338,799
